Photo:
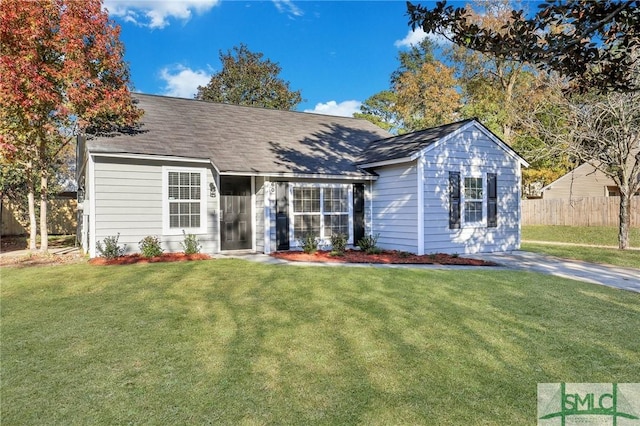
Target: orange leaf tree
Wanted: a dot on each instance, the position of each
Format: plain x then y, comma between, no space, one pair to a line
61,72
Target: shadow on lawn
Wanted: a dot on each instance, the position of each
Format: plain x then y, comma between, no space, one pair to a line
231,342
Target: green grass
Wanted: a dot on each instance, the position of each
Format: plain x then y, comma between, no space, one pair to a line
625,258
231,342
593,235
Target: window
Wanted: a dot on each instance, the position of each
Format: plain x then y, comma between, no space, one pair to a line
321,211
467,202
184,200
306,210
473,199
336,211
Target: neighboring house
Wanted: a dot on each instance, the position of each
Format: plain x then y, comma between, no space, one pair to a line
243,178
583,181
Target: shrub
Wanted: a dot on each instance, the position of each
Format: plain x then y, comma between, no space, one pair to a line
338,244
309,243
150,246
190,245
369,244
111,249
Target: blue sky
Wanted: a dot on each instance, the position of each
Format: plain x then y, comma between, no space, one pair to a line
338,53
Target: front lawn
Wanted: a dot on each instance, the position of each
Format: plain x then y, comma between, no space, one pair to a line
579,238
625,258
592,235
232,342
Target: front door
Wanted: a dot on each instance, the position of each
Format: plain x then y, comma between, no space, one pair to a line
235,213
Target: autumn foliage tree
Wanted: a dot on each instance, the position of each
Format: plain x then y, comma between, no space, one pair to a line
61,72
422,94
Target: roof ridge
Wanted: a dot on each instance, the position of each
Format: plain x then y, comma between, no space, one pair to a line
224,104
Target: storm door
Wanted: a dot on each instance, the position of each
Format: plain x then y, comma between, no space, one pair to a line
235,213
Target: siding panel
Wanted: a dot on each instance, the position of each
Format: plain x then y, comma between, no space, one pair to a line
129,201
471,153
394,205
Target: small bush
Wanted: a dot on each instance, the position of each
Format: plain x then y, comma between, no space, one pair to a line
150,246
190,245
110,249
338,244
369,244
309,243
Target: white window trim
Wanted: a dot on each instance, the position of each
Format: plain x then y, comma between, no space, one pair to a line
166,229
477,224
293,243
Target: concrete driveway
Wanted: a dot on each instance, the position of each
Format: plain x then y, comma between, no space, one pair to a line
612,276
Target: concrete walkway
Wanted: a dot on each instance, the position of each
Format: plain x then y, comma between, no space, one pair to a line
608,275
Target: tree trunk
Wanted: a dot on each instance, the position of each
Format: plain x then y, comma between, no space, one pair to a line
31,198
625,221
44,233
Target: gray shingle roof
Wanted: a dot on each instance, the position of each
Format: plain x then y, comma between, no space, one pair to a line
406,145
245,139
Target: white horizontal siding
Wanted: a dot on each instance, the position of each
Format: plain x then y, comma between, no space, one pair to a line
395,207
128,201
471,153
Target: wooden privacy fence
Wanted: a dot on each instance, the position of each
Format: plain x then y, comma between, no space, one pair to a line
61,218
587,211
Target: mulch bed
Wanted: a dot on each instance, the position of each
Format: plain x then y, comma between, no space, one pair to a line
137,258
387,256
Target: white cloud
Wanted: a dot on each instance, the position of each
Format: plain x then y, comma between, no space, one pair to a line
183,82
287,6
156,13
414,37
342,109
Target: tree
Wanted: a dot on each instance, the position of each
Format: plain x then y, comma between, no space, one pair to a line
246,79
497,91
61,72
591,43
428,97
379,109
604,131
422,93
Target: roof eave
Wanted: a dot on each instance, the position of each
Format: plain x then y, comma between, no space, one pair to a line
384,163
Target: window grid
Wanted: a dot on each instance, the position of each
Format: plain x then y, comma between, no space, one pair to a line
473,199
320,211
183,187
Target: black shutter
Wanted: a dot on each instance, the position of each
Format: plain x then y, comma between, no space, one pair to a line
492,200
454,200
358,212
282,216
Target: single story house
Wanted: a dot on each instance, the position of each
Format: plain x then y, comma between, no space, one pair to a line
245,178
583,181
